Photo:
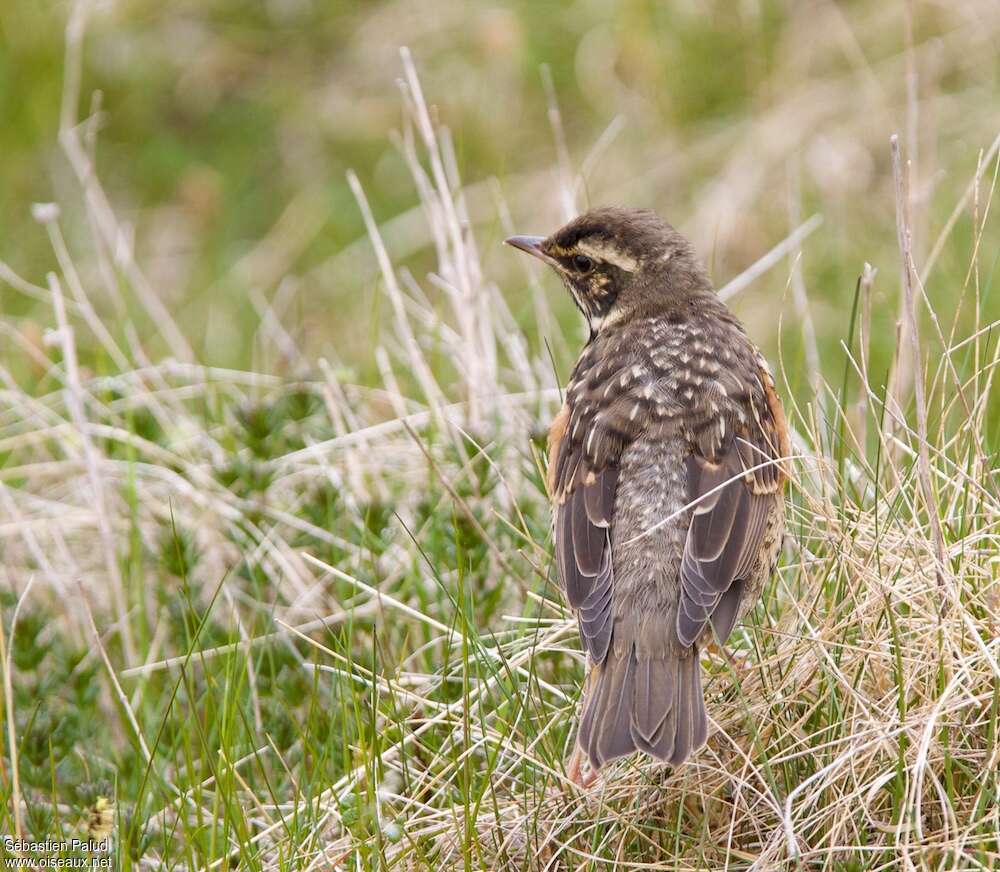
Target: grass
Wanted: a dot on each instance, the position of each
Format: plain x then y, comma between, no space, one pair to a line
280,616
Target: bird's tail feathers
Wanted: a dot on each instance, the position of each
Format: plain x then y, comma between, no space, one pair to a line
647,704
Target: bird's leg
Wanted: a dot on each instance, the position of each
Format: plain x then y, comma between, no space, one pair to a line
574,769
714,649
574,765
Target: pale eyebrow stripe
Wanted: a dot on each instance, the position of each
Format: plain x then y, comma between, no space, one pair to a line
600,252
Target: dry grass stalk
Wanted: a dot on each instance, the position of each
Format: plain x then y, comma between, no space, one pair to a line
901,177
9,709
75,403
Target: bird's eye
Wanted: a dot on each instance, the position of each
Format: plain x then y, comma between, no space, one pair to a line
582,263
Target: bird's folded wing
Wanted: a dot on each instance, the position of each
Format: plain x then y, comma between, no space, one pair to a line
732,494
585,446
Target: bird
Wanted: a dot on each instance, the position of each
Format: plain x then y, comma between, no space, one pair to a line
667,467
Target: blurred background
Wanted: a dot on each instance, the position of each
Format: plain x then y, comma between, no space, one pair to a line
309,452
225,129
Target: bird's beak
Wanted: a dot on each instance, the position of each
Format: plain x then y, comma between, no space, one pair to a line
532,245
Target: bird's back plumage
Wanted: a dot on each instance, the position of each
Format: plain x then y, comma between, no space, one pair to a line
662,412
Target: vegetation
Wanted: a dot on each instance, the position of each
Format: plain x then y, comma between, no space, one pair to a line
276,577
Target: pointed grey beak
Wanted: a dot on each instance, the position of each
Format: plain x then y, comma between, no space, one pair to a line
532,245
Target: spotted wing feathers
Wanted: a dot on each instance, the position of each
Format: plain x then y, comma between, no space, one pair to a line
732,501
583,549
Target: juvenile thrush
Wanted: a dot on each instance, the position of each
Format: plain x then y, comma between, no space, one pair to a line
666,476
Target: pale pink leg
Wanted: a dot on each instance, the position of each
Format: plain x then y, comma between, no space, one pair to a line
574,765
738,663
574,769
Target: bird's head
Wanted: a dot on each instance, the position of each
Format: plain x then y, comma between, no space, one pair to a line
619,263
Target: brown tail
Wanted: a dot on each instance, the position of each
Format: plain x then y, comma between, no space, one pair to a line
644,704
